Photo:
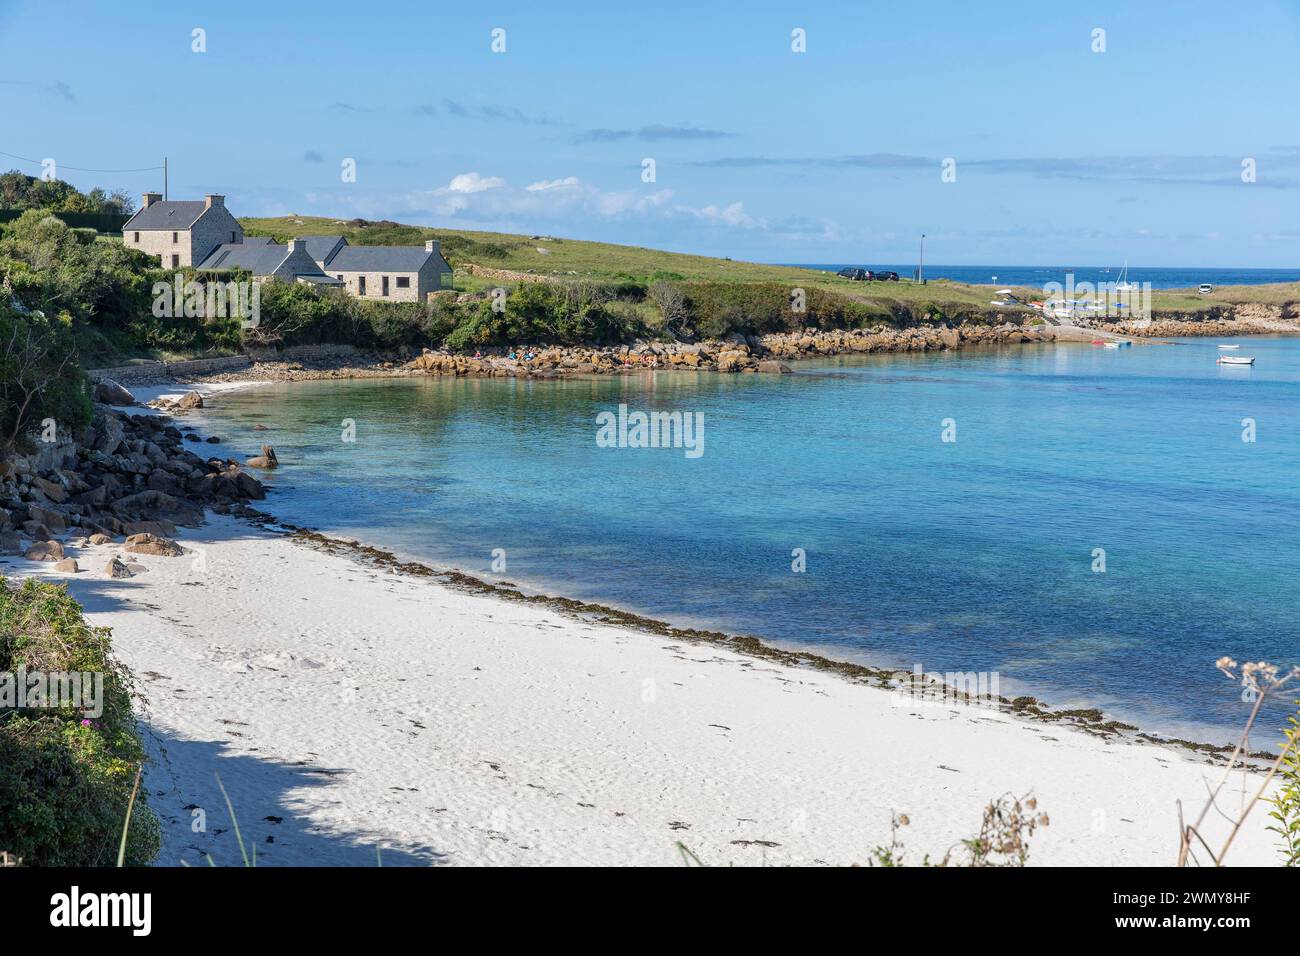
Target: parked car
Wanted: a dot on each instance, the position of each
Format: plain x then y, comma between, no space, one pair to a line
1205,288
857,275
885,276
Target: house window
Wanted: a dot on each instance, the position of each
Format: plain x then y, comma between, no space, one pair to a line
403,282
137,237
176,237
232,236
384,281
361,285
176,261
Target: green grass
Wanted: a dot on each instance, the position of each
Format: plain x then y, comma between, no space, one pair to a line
601,261
578,259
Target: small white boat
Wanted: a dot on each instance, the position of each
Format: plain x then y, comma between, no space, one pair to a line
1110,345
1229,346
1235,360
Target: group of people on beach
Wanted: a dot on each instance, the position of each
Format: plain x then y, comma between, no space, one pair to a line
513,355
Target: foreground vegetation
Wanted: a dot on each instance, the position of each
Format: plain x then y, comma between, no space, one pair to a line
66,780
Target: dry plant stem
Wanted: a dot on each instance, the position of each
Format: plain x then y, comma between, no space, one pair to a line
1254,800
1186,845
126,824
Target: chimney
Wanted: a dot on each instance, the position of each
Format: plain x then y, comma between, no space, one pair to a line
148,199
212,199
433,245
295,244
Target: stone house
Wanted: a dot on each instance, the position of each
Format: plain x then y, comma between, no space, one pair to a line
181,232
206,236
388,273
269,260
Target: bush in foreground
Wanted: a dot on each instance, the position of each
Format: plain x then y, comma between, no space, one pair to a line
65,781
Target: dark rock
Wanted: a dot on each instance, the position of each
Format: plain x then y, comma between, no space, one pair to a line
111,393
116,569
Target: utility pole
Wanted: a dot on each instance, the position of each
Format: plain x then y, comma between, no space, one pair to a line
164,177
920,268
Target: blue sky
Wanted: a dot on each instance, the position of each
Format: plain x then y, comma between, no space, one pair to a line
1063,156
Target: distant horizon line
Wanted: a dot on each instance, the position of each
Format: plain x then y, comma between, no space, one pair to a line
1005,265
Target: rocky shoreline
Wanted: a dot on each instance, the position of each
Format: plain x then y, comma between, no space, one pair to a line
768,354
125,476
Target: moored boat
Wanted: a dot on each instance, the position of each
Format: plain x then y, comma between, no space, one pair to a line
1235,360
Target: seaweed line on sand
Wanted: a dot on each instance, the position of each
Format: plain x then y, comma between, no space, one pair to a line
1088,720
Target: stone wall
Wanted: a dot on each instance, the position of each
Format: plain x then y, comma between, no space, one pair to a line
147,371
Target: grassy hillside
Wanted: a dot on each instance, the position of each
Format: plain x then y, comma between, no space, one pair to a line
578,259
601,261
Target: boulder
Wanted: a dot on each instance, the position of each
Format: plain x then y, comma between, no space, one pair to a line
187,401
44,551
732,360
101,539
153,544
265,460
109,392
117,569
37,531
160,527
52,490
249,487
109,434
774,368
51,519
67,565
10,543
160,480
95,497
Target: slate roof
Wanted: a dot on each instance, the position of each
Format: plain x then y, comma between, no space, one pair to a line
259,259
379,259
319,247
167,214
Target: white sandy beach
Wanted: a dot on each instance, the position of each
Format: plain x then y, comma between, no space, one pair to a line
349,709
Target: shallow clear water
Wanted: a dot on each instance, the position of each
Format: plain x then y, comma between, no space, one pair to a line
973,555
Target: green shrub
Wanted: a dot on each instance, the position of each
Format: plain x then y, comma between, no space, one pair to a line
40,375
716,309
65,781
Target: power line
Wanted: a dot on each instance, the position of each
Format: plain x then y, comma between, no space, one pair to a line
81,169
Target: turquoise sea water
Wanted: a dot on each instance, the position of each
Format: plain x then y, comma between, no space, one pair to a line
1163,277
973,555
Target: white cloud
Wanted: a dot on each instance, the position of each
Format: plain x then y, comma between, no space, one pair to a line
731,215
552,184
474,183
